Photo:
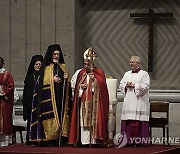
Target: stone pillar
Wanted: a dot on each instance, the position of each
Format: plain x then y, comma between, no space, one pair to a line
68,32
29,27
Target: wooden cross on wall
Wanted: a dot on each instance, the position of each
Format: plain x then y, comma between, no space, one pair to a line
150,16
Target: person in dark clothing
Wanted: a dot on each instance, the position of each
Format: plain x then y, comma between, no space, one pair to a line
50,122
31,78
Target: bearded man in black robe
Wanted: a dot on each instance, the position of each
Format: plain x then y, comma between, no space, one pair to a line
50,115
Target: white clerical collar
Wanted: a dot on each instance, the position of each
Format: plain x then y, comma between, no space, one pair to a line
2,70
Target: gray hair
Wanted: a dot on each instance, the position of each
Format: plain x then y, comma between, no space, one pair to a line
137,58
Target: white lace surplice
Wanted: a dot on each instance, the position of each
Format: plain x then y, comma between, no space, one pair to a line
136,101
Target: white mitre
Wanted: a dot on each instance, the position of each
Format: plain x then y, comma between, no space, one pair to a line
86,53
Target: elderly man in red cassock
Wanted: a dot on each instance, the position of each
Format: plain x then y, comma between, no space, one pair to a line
6,104
89,121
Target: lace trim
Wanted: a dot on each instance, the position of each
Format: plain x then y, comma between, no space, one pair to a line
136,112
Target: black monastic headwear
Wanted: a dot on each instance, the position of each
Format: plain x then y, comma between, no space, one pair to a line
49,54
34,59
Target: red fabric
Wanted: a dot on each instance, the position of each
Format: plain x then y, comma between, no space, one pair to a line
103,108
6,102
83,98
24,149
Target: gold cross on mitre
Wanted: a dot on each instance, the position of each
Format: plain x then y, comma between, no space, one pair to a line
91,54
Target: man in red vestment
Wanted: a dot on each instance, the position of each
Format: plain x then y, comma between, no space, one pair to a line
89,121
6,104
